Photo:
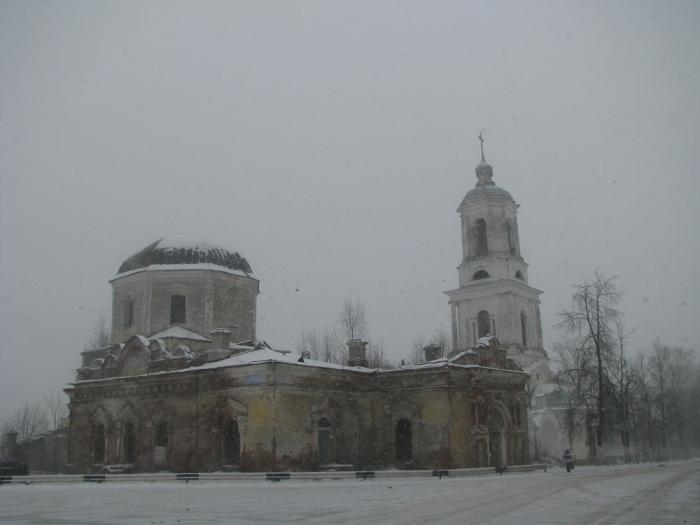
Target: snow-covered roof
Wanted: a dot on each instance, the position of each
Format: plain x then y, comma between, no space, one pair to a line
180,333
184,252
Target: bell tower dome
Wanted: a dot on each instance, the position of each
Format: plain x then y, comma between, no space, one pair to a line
494,297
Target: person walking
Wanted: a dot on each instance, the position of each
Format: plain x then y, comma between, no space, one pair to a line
568,460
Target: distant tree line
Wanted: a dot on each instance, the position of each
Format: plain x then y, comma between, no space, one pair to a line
330,344
649,402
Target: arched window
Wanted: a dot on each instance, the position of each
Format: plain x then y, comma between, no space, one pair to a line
519,275
98,443
483,321
481,274
129,312
324,441
482,247
523,327
232,443
404,441
129,443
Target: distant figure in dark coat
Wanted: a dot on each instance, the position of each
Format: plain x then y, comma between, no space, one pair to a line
568,460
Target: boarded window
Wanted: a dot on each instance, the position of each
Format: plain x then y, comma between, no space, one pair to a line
178,309
99,443
483,320
232,443
482,247
129,443
324,441
404,441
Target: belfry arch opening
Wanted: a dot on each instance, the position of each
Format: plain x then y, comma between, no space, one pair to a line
481,274
482,247
404,441
483,323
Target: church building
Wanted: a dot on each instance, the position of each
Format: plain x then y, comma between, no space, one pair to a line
186,385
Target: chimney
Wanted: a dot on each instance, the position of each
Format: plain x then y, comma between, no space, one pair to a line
357,350
432,352
220,338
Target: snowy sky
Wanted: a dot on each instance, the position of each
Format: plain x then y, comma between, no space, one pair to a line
331,143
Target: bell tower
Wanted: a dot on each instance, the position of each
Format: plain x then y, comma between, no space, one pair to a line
494,297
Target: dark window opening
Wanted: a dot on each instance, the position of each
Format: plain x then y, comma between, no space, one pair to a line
481,237
99,444
519,275
324,441
178,309
404,441
511,237
523,327
483,320
129,444
481,274
162,434
232,443
129,313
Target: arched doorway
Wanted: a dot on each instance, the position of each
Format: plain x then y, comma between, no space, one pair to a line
160,450
231,443
98,445
324,441
129,443
497,438
404,441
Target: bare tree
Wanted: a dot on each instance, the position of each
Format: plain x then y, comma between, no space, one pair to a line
100,334
56,406
352,319
592,315
28,422
623,385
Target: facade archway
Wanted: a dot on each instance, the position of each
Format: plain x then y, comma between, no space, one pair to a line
98,443
129,445
324,442
231,443
404,441
160,448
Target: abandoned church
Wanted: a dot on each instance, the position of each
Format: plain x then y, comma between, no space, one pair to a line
186,386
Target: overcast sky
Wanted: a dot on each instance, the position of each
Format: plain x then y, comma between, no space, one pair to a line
331,143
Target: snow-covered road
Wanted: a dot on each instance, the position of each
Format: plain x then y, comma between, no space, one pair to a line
640,494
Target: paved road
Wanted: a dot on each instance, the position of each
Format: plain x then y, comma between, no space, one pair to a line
639,494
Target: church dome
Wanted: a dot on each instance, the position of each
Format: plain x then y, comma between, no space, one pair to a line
185,252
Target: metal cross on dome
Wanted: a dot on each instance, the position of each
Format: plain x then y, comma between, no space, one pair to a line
481,139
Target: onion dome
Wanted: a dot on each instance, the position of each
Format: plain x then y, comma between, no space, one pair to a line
187,253
485,187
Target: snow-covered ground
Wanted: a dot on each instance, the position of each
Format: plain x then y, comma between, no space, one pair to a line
639,494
